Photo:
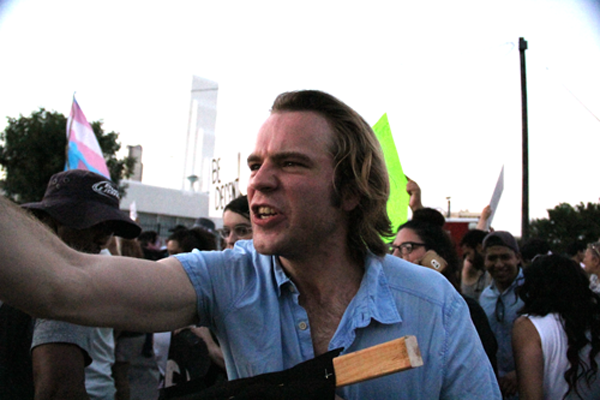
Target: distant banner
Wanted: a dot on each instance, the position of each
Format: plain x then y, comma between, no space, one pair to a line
224,184
397,206
83,150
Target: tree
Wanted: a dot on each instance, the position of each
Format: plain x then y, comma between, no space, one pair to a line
566,224
34,149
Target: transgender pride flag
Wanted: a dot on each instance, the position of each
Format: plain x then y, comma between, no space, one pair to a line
83,150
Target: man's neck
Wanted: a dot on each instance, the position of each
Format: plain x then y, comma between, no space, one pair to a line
503,287
327,284
324,274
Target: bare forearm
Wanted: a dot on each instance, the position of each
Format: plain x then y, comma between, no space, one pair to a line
30,257
44,277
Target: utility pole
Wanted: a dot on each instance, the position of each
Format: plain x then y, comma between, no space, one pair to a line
525,191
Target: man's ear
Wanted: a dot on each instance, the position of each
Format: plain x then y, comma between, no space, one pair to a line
350,199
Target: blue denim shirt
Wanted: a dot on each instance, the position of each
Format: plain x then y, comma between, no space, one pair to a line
507,303
252,305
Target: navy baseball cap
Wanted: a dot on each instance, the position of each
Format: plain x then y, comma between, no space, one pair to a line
81,199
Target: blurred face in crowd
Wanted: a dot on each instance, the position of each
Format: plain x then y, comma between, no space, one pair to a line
591,259
89,240
235,227
173,247
408,245
473,256
503,265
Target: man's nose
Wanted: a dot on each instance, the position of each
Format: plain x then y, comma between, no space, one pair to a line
264,179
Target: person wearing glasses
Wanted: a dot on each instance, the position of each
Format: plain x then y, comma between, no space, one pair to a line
591,265
236,222
425,243
501,302
556,340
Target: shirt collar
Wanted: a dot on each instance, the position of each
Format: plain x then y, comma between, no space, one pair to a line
518,281
373,300
279,275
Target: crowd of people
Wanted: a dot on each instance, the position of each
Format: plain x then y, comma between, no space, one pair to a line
304,269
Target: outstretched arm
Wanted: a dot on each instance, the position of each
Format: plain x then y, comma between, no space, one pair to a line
45,278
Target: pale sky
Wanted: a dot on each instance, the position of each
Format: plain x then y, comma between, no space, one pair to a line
447,74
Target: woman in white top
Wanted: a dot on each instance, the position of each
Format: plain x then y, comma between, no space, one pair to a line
556,342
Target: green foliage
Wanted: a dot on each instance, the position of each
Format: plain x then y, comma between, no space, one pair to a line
34,148
566,223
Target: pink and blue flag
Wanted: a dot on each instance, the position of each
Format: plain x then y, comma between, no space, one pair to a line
83,150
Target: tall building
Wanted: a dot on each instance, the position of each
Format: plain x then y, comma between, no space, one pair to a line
200,141
136,152
160,209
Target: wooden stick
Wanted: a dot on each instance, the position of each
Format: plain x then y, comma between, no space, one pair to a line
384,359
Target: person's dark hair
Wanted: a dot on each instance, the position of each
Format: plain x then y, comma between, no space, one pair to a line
147,237
473,238
196,238
359,167
239,205
557,284
575,247
438,240
533,247
178,227
430,215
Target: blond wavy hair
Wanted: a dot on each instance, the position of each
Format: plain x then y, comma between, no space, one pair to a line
359,167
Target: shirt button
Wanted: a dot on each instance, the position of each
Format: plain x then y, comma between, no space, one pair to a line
303,325
292,289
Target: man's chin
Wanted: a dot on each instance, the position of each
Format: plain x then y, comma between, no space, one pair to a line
263,247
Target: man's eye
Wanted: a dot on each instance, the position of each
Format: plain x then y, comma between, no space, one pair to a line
253,167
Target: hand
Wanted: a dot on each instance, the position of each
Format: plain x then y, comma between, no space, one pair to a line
486,213
414,192
469,273
508,384
214,351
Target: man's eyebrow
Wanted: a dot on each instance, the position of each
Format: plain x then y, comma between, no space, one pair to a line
253,158
282,156
292,154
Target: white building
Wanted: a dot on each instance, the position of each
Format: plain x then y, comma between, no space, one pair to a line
160,209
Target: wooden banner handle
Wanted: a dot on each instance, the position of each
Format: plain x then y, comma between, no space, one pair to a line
384,359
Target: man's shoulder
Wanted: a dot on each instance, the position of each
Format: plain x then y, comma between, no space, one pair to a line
243,253
415,280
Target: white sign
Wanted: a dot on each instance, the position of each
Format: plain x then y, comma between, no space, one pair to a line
224,184
496,198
